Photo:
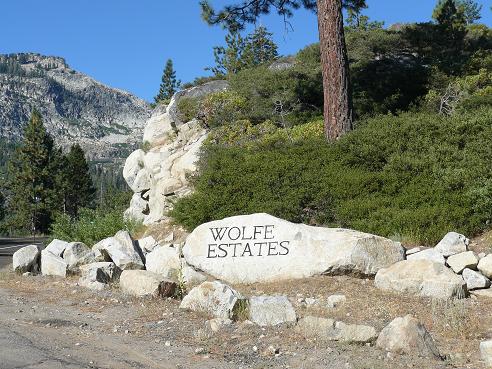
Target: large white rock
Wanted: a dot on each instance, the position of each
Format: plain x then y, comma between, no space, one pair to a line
159,127
57,247
77,254
133,164
485,266
164,260
429,254
331,330
475,280
262,248
407,336
452,243
26,259
213,298
486,353
138,208
121,250
271,310
463,260
143,283
422,278
52,264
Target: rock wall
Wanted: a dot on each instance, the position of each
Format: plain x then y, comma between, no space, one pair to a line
160,174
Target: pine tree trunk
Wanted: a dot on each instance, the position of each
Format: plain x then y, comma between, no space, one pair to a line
334,62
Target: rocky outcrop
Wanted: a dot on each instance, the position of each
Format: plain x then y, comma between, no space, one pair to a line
160,174
106,122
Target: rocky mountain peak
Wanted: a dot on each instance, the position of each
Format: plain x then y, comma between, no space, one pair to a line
106,122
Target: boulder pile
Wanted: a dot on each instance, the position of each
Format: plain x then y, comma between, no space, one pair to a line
445,271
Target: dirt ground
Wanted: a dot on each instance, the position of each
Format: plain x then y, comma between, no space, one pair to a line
63,325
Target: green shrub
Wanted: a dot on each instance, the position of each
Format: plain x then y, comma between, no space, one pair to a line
93,225
188,108
221,108
417,176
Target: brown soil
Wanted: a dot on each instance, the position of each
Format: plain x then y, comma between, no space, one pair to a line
120,325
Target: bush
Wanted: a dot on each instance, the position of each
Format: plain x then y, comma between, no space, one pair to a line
93,225
416,176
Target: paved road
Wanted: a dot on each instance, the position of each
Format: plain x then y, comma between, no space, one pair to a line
10,245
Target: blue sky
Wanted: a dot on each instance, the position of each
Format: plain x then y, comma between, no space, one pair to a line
125,43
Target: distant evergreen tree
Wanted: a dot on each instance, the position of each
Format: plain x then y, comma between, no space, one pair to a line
78,189
471,10
449,14
169,83
31,180
228,59
260,48
240,53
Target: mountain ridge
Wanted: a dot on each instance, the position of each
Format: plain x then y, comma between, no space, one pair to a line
107,122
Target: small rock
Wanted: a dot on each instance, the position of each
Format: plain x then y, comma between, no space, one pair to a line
475,280
452,243
169,237
414,250
407,336
144,283
486,352
214,298
271,310
167,344
217,324
487,293
336,300
331,330
463,260
310,301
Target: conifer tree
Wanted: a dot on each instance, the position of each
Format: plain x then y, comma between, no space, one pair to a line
260,48
75,182
31,180
228,58
169,83
240,53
